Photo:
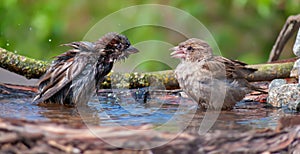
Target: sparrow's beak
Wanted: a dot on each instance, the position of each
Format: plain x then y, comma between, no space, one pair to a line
125,54
131,50
178,53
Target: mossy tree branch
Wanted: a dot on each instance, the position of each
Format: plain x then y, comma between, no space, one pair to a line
28,67
31,68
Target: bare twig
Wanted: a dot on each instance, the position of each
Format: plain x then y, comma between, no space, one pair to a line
291,26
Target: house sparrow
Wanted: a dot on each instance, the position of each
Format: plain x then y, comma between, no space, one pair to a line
74,75
204,76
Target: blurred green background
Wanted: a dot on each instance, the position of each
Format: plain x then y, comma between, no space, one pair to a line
244,29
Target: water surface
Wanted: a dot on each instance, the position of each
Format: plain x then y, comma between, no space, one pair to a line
137,107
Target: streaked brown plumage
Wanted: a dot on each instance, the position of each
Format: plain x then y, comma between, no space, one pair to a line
212,81
73,77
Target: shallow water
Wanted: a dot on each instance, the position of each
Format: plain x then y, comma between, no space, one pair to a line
167,111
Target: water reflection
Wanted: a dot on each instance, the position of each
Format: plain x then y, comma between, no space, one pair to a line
128,108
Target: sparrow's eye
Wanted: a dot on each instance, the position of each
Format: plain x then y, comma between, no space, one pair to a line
119,46
127,45
190,48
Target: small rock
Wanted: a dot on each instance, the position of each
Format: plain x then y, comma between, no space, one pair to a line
296,47
295,70
285,95
294,105
276,83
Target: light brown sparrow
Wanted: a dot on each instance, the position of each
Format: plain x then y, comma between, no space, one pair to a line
212,81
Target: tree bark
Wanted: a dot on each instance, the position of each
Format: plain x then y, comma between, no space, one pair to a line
20,136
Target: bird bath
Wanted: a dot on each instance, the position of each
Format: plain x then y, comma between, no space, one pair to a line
128,108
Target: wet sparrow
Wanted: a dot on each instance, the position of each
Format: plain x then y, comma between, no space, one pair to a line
74,75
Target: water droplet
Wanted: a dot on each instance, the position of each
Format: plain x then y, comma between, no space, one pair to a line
30,28
50,40
19,24
7,44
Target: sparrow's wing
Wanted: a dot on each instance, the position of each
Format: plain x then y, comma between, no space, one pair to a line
63,70
58,66
234,69
215,69
218,87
